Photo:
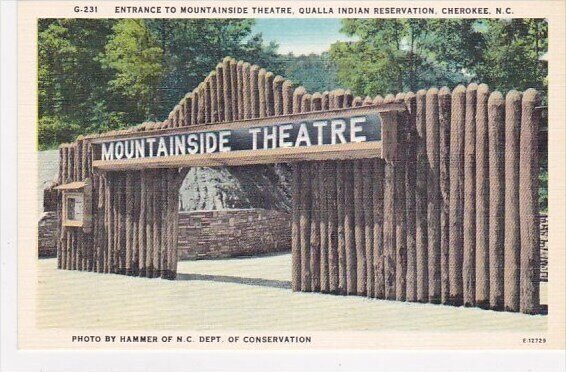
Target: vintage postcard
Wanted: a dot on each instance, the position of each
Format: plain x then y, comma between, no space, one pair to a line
290,176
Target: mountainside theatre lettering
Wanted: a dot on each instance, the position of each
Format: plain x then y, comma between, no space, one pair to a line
284,138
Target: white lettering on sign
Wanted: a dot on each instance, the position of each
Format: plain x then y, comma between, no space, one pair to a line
334,131
357,128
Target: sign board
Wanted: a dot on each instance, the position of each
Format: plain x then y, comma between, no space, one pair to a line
348,133
73,209
77,204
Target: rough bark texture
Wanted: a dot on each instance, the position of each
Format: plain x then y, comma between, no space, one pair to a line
450,214
528,179
496,112
433,195
469,254
456,195
444,105
482,198
512,249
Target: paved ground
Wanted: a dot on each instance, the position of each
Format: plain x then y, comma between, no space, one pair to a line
240,294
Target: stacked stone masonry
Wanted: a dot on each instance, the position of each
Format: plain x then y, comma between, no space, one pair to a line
47,236
232,233
254,231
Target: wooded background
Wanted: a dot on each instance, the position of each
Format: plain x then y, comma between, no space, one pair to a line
104,74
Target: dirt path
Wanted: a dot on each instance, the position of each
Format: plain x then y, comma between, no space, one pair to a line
240,294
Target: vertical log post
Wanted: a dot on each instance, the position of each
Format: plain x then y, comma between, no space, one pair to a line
278,95
433,194
261,93
332,225
469,234
207,101
164,187
456,194
295,229
528,208
142,229
234,88
115,203
400,207
200,109
129,233
220,91
122,225
254,91
512,240
239,89
194,107
421,228
315,227
368,177
482,198
287,95
135,223
410,185
189,113
444,105
325,100
323,198
389,225
377,189
156,230
212,84
108,223
246,91
359,228
59,214
496,111
269,94
304,226
349,238
342,266
150,174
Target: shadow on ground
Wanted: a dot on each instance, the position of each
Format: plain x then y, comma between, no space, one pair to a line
284,284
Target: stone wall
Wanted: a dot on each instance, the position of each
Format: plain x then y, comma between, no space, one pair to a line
233,232
254,231
47,239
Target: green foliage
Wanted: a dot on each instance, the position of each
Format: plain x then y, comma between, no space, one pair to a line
53,131
135,59
511,56
70,80
96,75
543,190
394,55
315,72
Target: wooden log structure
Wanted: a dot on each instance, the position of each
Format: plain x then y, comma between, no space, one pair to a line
512,240
528,208
469,231
456,216
433,195
421,226
482,198
496,117
410,188
444,106
447,215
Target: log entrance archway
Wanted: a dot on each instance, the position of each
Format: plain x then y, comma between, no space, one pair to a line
427,211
